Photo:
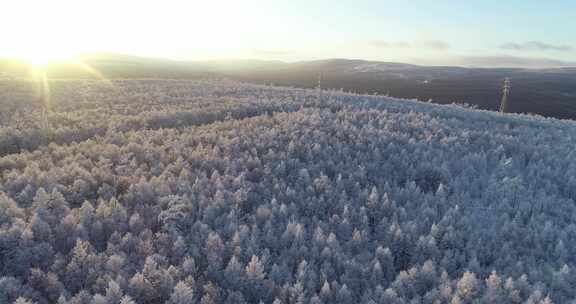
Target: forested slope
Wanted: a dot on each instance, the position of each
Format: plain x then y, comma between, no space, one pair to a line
164,191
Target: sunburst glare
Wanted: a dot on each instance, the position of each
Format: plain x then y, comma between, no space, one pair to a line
39,72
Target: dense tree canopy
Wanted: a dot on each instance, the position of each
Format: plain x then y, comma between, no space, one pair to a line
164,191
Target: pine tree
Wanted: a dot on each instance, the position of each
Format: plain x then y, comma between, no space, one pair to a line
255,269
468,286
113,293
23,301
182,294
127,300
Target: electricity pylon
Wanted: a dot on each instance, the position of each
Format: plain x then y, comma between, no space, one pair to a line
505,93
319,87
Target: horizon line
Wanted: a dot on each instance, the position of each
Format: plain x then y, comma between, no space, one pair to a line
552,63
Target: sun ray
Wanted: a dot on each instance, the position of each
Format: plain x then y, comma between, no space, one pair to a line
90,70
39,73
39,76
46,100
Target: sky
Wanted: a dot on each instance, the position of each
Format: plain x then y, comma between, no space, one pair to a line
441,32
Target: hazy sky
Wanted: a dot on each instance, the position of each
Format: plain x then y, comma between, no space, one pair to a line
489,32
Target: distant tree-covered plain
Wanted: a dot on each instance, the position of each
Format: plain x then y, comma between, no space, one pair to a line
548,92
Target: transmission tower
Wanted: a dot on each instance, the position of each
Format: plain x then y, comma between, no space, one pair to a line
505,93
320,87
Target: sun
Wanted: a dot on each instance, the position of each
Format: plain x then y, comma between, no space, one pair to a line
39,61
44,57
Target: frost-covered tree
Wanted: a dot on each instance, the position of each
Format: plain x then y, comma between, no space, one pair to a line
182,294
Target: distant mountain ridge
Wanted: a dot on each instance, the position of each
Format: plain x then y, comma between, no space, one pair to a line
104,61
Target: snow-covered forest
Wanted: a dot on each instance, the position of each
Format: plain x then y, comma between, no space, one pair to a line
164,191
